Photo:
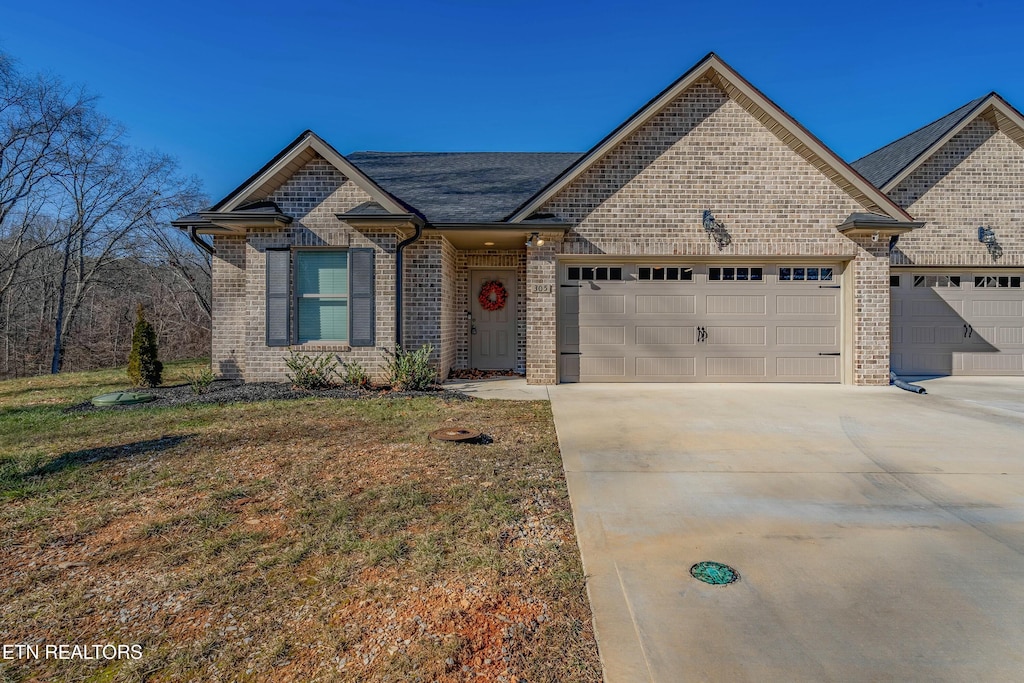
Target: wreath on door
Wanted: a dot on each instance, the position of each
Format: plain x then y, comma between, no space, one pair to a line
493,296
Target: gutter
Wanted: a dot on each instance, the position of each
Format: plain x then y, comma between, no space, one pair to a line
196,240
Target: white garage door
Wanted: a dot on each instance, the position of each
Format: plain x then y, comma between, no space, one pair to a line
691,322
957,322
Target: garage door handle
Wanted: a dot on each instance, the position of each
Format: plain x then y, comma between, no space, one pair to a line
571,353
574,286
829,286
828,354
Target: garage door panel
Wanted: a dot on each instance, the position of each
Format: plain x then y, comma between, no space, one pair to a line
570,335
666,367
807,304
822,368
647,335
602,304
736,368
936,308
994,308
605,335
1007,335
992,363
791,335
655,304
737,304
718,335
605,367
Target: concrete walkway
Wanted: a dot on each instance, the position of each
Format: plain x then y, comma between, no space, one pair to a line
504,388
879,535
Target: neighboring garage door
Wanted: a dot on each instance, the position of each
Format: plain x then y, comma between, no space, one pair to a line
691,322
957,322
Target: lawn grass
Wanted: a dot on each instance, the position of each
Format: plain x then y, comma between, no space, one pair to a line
318,539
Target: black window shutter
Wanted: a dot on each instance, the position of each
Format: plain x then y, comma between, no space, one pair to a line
278,297
361,324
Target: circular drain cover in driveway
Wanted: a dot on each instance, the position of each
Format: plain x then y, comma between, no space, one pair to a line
715,573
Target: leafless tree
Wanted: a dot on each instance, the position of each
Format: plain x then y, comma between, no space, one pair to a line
36,114
112,197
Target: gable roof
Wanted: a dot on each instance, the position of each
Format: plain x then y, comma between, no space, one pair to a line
293,157
888,166
750,98
462,187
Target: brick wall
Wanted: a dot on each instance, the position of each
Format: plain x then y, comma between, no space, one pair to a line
541,322
704,151
975,179
871,324
313,195
228,315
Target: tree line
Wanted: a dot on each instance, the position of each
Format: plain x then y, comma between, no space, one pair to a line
85,235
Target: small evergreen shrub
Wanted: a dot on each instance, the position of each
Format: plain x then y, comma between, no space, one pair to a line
312,372
144,368
200,380
410,370
353,373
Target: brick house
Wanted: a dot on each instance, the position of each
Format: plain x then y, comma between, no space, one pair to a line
709,237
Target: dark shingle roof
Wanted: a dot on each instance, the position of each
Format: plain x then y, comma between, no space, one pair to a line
462,187
884,164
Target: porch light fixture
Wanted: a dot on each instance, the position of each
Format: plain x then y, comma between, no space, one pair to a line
716,229
488,244
987,236
535,240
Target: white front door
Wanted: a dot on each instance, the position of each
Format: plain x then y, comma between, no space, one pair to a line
492,341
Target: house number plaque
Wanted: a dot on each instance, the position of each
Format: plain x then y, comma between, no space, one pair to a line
542,289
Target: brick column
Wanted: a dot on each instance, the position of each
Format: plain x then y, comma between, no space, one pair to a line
871,324
541,325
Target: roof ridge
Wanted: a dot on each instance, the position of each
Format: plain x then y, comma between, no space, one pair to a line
373,151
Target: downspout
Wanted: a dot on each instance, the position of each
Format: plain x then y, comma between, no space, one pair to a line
196,240
399,262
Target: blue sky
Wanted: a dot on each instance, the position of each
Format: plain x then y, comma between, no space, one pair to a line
224,90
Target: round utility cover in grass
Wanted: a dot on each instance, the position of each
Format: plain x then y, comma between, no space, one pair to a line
715,573
122,398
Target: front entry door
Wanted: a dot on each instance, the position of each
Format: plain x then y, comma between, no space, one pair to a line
492,340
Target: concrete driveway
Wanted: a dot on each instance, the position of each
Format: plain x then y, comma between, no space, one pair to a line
879,535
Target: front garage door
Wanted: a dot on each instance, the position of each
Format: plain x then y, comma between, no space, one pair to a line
691,322
957,322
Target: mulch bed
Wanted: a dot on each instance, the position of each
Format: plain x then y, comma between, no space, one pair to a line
481,374
238,391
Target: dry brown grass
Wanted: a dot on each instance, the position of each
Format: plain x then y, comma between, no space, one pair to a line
290,541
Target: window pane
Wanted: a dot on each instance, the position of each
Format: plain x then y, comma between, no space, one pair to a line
616,274
812,273
714,273
954,281
756,274
600,273
728,273
785,274
894,280
323,320
687,274
643,274
1015,281
574,273
919,281
798,273
321,272
587,273
826,274
672,273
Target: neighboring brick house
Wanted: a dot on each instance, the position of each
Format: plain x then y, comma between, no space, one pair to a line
958,301
710,237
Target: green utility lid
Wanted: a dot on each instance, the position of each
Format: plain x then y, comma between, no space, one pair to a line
122,398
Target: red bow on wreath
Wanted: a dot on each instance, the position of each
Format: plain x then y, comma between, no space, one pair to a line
493,296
